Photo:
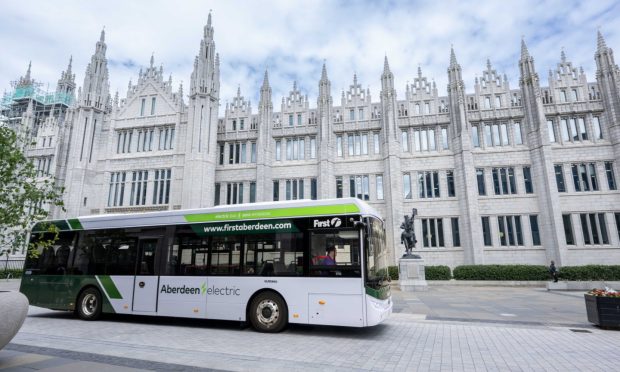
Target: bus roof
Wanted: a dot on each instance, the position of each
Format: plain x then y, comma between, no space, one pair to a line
237,212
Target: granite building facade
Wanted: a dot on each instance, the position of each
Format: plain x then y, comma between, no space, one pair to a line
499,174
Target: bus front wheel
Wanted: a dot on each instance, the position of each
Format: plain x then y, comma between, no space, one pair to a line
268,312
89,304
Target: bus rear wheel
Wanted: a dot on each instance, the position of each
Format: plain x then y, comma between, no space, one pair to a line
268,312
89,304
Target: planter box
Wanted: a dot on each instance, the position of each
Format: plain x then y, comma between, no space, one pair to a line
603,311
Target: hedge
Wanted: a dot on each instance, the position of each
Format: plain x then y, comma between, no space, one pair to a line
437,272
501,272
393,272
590,272
14,274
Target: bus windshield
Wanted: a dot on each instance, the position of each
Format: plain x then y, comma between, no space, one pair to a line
376,260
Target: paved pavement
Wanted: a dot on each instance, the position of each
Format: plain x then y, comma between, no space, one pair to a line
447,328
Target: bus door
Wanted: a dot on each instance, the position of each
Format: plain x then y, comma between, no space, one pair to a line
146,282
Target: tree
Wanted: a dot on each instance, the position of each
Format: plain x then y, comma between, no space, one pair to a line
23,196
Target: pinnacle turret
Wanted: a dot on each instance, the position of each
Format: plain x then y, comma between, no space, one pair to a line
453,61
102,37
386,66
324,72
524,52
600,41
265,80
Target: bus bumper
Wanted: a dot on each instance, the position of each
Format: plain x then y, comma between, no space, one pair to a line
377,310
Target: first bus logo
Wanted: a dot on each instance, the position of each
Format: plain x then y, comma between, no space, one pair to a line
334,222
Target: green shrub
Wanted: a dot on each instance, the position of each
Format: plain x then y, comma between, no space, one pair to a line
501,272
393,272
590,272
440,272
14,273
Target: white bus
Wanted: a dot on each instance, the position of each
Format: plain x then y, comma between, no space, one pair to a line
266,263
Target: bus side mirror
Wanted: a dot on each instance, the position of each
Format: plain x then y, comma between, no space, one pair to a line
359,225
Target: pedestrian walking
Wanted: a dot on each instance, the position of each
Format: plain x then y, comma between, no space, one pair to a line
553,271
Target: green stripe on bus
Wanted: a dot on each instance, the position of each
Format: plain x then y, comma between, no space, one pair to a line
75,224
44,226
109,287
274,213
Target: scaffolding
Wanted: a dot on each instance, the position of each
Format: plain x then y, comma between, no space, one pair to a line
27,93
35,93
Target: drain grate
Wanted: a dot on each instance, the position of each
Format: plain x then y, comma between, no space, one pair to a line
580,330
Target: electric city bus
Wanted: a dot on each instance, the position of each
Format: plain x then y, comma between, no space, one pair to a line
307,261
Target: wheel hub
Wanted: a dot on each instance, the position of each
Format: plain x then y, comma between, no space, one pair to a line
267,312
89,304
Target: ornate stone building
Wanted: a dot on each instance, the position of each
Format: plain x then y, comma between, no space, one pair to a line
499,174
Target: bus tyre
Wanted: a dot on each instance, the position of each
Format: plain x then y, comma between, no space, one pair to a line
268,312
89,304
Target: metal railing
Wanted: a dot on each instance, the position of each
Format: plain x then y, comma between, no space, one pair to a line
7,264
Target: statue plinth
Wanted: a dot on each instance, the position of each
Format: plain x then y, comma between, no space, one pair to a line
411,275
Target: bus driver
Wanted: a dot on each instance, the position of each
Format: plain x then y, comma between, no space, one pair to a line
330,258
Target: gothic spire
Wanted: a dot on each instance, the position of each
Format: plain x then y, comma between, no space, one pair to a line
70,65
324,72
600,41
563,56
102,37
265,80
386,66
27,77
453,61
524,52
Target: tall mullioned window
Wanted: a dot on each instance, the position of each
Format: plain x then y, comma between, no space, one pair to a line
432,232
534,229
486,231
313,189
161,186
234,193
573,129
276,190
559,177
450,182
584,177
379,187
252,192
456,235
594,228
527,179
550,130
596,123
510,230
407,186
294,189
117,189
504,181
428,184
359,187
475,139
481,184
339,187
216,199
611,178
568,229
139,181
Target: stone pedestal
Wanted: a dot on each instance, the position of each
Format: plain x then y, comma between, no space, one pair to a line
411,276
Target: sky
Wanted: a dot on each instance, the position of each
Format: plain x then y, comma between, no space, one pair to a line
292,39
